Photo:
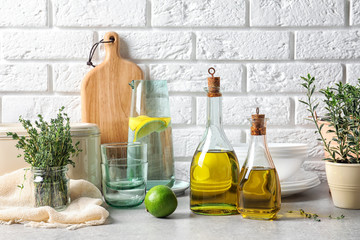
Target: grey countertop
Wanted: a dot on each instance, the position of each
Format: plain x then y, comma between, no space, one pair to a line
182,224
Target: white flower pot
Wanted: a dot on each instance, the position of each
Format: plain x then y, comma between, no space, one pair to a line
344,184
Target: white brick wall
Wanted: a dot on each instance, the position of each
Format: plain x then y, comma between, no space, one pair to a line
198,13
46,44
297,13
152,45
23,77
258,47
342,44
239,45
29,106
284,77
106,13
353,73
181,114
67,77
19,13
355,12
191,77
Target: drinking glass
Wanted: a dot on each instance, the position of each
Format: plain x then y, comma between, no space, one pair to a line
150,123
124,173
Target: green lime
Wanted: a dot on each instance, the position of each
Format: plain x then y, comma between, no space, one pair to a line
160,201
147,128
143,125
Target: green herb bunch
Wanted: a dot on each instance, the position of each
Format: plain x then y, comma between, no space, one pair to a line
48,144
342,104
47,149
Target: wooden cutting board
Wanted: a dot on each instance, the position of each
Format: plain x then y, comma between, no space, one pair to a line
106,94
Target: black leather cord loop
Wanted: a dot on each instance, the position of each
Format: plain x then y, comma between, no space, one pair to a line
93,49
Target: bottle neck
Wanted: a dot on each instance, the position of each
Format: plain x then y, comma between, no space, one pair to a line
258,154
214,111
258,140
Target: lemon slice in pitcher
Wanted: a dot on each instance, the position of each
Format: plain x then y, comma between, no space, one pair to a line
144,125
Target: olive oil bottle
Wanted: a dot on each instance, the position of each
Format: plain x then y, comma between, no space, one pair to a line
214,173
260,194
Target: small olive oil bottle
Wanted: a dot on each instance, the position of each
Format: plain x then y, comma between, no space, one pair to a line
260,195
214,173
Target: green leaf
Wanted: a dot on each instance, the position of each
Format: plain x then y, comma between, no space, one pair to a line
303,102
312,91
315,107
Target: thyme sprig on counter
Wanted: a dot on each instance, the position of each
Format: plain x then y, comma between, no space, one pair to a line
307,215
338,218
314,216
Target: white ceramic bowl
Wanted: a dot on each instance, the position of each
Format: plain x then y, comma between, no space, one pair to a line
288,158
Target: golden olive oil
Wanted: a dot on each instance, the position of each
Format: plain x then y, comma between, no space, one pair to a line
260,195
214,182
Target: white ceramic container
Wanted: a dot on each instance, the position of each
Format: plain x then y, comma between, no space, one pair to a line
344,184
87,163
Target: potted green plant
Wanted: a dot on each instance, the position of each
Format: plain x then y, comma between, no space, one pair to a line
48,149
339,132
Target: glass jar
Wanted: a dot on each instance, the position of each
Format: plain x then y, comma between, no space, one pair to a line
87,163
51,187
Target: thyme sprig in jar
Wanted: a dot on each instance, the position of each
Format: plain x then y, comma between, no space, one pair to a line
48,150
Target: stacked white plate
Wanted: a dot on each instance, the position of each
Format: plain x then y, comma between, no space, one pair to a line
298,183
288,159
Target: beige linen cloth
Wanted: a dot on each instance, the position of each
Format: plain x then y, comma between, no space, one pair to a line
16,206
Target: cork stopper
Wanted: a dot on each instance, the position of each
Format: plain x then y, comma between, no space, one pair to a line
213,84
258,123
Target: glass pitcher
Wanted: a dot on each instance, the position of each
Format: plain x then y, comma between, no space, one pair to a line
150,123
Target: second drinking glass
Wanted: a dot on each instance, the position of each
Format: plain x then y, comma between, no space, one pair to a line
124,173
